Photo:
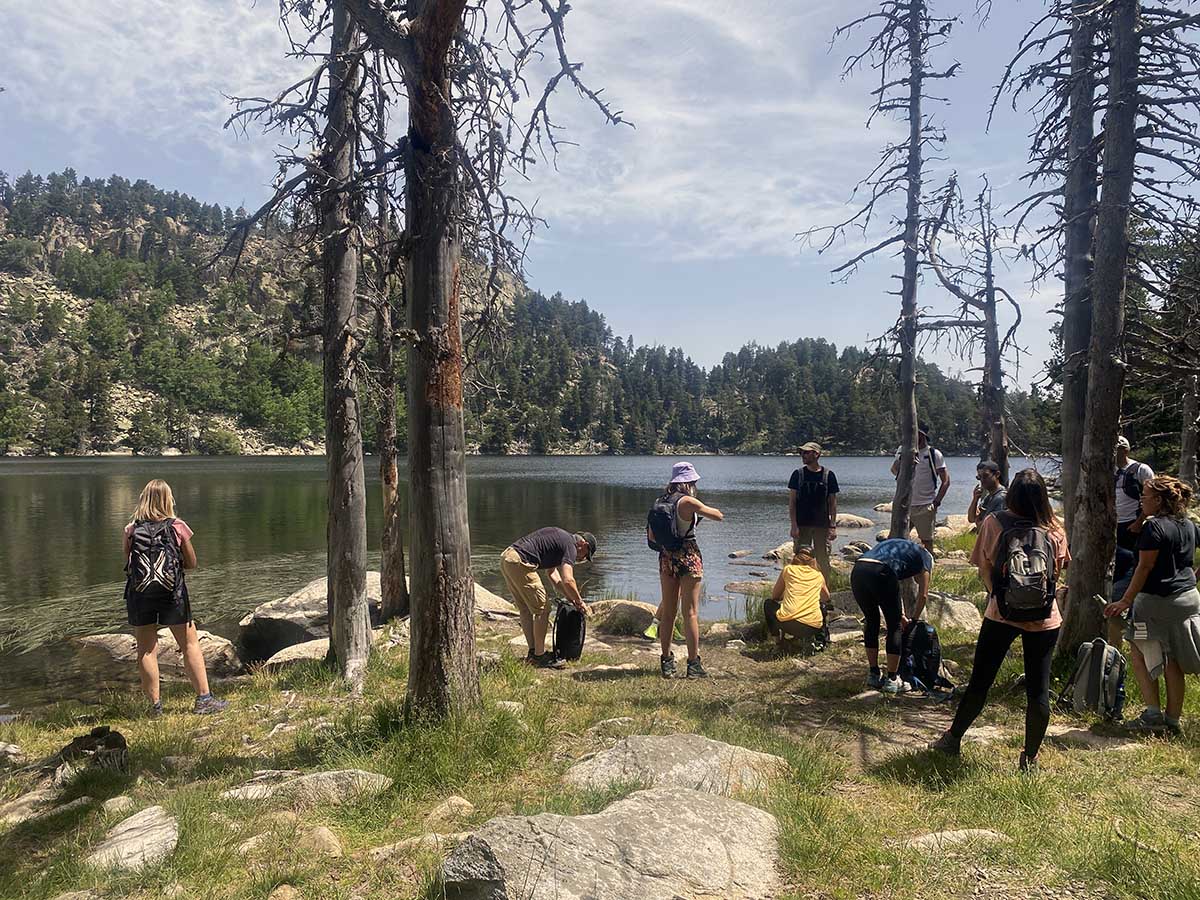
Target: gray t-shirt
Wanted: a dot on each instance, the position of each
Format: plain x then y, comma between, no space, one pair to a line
992,503
547,548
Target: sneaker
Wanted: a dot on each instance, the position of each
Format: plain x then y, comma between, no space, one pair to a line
893,684
1028,764
949,745
1149,722
155,710
549,660
668,666
651,633
874,680
1172,726
695,670
208,704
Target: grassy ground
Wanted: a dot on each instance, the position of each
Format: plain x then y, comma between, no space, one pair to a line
1117,823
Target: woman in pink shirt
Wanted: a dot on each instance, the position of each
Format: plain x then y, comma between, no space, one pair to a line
157,548
1028,505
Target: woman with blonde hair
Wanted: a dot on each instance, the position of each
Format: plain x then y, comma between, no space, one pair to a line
158,547
1164,630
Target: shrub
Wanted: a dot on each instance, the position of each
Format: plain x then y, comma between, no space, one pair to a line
220,442
147,434
19,255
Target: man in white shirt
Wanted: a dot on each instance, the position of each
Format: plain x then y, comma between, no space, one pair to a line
1130,476
930,483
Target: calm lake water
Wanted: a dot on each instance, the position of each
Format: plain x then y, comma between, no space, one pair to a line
260,534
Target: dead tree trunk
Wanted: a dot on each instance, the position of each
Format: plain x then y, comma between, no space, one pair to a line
1079,216
346,567
393,582
995,421
443,674
1094,528
1189,438
907,399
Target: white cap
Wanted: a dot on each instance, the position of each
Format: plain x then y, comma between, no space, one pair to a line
1123,442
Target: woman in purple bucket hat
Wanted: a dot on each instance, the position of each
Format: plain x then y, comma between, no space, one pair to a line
671,530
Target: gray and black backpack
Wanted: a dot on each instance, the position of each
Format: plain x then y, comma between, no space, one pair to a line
154,570
1023,579
1098,683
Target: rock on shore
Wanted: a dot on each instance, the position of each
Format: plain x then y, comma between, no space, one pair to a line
220,656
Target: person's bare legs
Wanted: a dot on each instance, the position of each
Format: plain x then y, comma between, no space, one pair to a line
667,610
147,660
1173,676
193,660
689,599
1147,685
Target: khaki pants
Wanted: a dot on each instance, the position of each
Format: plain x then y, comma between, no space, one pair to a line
523,581
923,518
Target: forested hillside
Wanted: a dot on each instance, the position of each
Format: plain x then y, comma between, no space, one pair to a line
118,335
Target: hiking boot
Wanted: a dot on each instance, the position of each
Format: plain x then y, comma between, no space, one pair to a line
949,745
695,670
1028,764
651,632
1172,726
549,660
155,709
874,680
667,664
894,684
1149,722
208,704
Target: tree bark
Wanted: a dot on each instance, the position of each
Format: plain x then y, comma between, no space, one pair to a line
1094,529
908,288
995,423
443,673
1079,204
346,563
1189,438
394,599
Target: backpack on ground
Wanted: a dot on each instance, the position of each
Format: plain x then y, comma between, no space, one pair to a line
921,658
570,630
154,570
1023,579
1098,682
661,521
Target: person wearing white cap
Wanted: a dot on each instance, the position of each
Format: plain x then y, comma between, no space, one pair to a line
671,530
1131,475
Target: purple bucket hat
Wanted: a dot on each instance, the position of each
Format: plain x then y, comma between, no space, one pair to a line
683,473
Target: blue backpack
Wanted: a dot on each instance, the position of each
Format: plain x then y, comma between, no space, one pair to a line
921,658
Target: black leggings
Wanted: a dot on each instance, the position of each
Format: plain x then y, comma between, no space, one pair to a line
876,589
1038,648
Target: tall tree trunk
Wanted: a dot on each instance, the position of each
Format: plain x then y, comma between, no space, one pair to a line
394,585
1079,203
346,565
995,424
443,673
1189,436
908,288
1094,531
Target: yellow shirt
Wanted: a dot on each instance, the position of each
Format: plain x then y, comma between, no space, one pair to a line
801,595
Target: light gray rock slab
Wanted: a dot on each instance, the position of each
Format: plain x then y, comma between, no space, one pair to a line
119,806
315,789
309,651
141,840
449,811
944,840
422,843
677,760
28,805
947,611
660,844
221,657
1073,737
630,617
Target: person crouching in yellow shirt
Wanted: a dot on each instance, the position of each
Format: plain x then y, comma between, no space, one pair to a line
794,611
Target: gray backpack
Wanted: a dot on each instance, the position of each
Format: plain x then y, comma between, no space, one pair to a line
1023,579
1098,683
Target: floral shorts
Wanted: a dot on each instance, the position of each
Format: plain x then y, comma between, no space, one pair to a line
684,561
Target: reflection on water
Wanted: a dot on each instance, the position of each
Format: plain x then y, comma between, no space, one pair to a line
260,531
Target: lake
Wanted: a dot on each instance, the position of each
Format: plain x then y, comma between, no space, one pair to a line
260,534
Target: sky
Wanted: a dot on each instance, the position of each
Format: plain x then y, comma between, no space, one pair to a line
681,230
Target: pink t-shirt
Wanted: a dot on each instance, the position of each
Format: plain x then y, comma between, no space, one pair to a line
984,556
181,531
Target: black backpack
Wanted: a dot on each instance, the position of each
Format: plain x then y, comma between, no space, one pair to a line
1130,484
570,630
661,521
1023,580
921,658
154,570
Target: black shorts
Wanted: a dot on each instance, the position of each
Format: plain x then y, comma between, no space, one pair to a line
156,611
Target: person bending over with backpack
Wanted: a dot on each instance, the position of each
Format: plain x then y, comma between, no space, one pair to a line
557,551
875,583
795,609
158,547
1164,630
1021,553
671,530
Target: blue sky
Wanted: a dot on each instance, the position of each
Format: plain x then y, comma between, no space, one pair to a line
681,230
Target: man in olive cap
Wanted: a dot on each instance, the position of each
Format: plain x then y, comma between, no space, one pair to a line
557,551
812,503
